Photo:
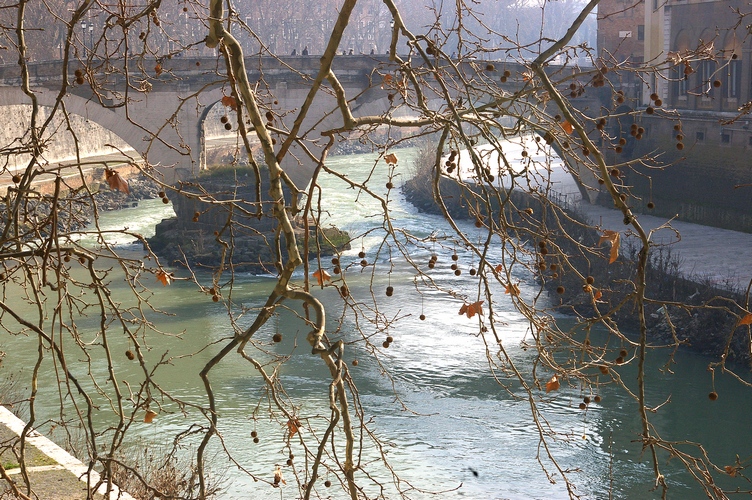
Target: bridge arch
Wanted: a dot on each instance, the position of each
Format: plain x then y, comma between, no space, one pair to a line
77,106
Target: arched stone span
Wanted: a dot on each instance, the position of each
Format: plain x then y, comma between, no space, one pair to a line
165,124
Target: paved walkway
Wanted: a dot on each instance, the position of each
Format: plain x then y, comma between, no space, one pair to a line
53,473
721,255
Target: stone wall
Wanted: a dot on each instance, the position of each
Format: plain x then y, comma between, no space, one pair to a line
697,172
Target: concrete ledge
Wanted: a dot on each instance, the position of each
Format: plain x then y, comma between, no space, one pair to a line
63,461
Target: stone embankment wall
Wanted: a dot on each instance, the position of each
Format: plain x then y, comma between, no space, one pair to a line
697,168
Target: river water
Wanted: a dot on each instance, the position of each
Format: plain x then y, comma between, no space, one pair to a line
464,433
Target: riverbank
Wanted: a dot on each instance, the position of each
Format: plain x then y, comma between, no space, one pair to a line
700,320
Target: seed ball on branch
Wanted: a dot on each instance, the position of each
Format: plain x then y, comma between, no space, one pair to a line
389,291
277,337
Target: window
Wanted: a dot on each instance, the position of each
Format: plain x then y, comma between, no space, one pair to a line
641,32
749,141
707,68
680,82
699,136
733,79
725,137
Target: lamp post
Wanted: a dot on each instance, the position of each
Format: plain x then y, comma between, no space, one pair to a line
83,35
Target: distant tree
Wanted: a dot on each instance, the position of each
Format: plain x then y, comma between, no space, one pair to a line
447,82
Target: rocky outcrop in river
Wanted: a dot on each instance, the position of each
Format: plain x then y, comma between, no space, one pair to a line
218,224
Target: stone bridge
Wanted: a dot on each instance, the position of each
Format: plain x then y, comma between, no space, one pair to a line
166,106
